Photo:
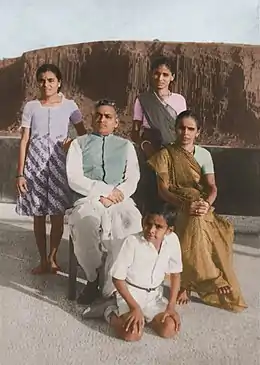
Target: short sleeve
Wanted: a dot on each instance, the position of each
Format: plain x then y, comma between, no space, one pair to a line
183,105
75,116
138,111
175,261
26,116
160,163
124,259
207,165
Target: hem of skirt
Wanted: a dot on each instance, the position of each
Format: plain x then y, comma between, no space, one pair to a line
37,214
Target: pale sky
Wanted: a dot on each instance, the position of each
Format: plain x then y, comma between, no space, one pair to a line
33,24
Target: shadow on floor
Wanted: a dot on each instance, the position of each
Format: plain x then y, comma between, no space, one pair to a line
18,255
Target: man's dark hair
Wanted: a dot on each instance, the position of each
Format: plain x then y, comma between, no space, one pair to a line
106,102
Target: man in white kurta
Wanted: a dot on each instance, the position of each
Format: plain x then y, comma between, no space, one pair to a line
103,171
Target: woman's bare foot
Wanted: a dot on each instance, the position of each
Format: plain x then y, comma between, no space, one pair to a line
52,262
41,269
53,267
183,297
224,290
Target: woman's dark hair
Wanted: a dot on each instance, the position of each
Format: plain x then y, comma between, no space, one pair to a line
160,61
187,114
166,211
49,67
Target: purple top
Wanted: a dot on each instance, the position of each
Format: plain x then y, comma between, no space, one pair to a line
52,121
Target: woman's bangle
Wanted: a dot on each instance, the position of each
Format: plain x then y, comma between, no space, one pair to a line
142,144
21,175
208,203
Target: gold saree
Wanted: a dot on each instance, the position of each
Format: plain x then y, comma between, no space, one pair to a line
206,241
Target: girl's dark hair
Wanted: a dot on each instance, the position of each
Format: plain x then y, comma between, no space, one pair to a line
49,67
162,60
187,114
166,211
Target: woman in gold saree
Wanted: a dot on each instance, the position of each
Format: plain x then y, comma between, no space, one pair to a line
186,180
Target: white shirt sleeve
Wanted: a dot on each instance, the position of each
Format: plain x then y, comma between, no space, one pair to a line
184,105
76,179
175,261
26,116
208,166
124,259
132,173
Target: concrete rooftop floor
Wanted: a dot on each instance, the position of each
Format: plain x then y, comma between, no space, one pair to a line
38,325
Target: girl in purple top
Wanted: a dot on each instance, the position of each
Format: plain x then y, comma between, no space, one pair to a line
41,176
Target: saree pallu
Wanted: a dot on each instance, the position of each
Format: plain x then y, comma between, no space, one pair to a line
207,241
161,119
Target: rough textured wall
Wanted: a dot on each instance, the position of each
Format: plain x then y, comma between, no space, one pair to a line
220,83
11,91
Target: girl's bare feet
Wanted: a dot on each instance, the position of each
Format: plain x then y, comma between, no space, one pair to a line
183,297
41,269
53,266
224,290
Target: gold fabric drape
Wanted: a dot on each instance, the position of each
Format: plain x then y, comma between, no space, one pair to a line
206,241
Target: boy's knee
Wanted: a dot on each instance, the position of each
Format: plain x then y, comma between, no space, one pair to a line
129,336
168,328
132,337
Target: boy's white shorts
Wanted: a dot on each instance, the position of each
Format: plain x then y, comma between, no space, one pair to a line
151,303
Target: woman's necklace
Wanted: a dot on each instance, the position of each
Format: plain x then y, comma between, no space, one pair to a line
191,151
51,102
163,97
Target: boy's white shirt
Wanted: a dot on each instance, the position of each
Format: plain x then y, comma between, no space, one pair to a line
140,263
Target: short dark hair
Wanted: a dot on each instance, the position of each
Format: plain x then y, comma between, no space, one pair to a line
106,102
49,67
166,211
160,61
187,114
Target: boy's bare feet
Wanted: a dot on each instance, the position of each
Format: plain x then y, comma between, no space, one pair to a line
183,297
224,290
41,269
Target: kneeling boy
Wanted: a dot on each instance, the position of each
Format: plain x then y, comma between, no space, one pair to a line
138,274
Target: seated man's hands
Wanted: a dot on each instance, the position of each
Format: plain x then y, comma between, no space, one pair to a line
105,201
116,196
199,208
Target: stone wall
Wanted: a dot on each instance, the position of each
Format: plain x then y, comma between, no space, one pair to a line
219,81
